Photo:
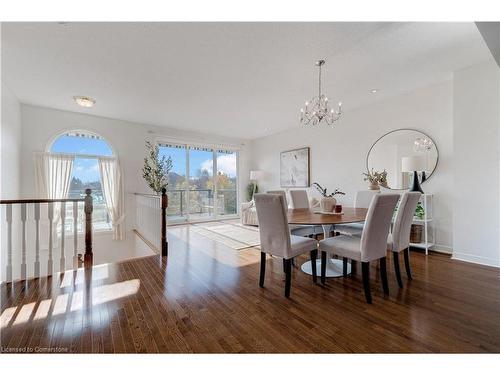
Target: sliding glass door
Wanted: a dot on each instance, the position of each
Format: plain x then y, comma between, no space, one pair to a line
202,184
226,183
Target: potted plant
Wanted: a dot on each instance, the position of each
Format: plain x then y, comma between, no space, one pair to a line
382,178
328,201
416,229
155,170
373,178
252,189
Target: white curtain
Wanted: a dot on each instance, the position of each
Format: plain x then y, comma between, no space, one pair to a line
53,175
112,188
53,178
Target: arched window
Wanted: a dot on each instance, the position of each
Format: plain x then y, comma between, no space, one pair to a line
86,147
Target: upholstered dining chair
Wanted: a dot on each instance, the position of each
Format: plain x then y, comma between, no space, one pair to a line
399,239
275,237
295,229
362,199
372,244
301,200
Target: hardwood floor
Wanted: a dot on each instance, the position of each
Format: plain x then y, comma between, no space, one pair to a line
206,298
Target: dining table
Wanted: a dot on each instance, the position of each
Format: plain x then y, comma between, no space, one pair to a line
310,216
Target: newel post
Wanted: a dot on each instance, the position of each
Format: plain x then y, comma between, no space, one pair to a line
88,224
164,205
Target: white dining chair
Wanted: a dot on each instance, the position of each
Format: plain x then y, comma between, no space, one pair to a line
300,200
276,240
362,199
295,229
399,239
372,244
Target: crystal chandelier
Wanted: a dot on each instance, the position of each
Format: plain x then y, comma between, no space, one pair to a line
317,109
423,144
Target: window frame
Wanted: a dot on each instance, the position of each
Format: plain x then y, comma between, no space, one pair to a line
54,138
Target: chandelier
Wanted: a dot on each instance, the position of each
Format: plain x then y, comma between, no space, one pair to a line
423,144
317,109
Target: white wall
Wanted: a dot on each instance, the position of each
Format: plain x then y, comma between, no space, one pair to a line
338,154
10,135
10,159
127,139
476,141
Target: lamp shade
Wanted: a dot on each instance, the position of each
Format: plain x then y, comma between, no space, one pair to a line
412,163
256,175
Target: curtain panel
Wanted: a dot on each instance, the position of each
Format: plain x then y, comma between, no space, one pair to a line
112,188
53,175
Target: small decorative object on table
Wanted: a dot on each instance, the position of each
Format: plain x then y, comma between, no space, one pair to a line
328,201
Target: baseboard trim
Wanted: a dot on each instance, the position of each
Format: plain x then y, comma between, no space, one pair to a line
146,241
476,259
444,249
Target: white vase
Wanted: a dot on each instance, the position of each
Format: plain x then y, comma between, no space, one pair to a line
327,204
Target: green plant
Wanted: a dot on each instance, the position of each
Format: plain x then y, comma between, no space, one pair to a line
375,177
250,191
324,193
419,211
382,176
370,177
155,170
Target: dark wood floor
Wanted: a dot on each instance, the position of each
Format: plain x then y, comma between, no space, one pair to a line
205,298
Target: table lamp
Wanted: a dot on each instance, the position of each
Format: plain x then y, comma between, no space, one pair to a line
413,164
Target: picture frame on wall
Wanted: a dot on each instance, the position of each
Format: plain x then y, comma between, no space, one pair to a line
295,168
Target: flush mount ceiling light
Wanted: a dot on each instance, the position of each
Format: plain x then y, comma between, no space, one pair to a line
317,109
373,91
84,101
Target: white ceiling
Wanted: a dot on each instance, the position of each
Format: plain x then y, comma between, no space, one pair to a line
235,79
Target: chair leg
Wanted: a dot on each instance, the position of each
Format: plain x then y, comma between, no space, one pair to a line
314,255
353,267
288,277
284,265
323,267
407,263
365,270
262,268
397,270
344,266
383,274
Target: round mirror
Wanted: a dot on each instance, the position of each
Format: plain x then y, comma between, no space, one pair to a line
400,153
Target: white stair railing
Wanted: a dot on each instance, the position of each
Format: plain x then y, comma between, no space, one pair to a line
151,220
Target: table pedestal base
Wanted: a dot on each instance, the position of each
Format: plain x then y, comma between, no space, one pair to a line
334,268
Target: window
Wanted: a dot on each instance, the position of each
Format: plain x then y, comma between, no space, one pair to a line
87,148
195,191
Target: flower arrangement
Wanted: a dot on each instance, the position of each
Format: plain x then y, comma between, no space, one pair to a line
324,193
376,178
155,170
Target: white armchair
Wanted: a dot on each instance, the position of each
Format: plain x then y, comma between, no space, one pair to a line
249,214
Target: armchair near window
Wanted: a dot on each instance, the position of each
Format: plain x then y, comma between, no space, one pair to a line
249,214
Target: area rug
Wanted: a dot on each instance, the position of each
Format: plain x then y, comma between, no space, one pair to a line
233,235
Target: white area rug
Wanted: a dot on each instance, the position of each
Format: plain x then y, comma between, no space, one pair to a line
234,235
